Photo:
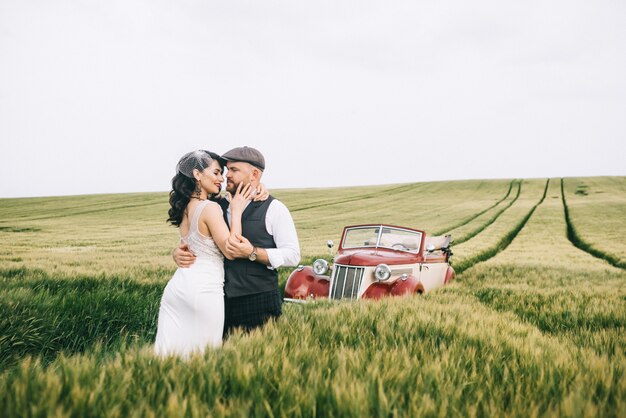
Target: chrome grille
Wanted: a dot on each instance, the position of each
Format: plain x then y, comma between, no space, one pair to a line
346,282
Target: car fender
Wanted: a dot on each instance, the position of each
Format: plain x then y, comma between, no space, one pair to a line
405,286
400,287
304,283
376,290
450,275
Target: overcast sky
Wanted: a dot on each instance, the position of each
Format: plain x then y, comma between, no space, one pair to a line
105,96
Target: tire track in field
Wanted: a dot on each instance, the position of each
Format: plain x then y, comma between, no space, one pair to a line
578,242
481,228
83,208
504,242
397,189
86,212
472,217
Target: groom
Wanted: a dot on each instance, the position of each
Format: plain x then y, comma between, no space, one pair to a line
270,241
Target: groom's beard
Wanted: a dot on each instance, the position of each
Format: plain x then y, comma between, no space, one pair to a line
231,187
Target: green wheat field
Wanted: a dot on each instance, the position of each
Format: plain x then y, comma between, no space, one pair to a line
534,325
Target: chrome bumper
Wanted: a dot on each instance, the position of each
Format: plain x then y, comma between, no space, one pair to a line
295,300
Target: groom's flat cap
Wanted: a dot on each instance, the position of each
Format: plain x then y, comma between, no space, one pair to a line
246,155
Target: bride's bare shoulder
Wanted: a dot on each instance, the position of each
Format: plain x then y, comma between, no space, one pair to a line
212,208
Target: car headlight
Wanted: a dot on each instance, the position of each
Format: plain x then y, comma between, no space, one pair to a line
382,272
320,266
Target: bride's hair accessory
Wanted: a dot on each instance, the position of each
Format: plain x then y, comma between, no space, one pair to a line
194,160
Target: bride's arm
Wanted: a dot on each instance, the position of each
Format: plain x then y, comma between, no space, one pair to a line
218,229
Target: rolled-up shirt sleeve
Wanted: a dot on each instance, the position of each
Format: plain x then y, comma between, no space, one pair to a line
279,224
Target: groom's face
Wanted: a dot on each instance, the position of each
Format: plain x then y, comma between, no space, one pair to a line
238,172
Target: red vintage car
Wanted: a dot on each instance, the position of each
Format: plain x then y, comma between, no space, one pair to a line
375,261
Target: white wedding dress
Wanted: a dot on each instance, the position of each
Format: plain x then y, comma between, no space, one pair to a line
191,316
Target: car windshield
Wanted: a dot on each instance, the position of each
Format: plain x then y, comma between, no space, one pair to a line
382,236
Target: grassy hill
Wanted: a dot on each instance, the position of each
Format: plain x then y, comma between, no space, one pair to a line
534,325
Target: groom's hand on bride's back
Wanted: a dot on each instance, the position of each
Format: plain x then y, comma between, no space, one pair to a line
261,194
182,256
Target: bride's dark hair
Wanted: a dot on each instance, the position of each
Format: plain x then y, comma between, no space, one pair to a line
184,186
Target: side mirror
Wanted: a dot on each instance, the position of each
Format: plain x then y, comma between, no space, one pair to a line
330,243
430,248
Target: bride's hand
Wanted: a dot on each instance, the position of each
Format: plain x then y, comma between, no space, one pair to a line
241,197
261,193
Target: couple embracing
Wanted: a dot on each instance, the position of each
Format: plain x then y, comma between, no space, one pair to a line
230,249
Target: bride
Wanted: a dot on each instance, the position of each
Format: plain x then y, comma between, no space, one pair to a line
191,315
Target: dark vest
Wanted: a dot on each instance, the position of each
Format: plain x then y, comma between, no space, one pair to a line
242,276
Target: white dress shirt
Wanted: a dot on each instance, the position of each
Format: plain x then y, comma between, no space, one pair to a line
279,224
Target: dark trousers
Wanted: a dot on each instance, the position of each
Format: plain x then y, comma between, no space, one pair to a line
251,311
